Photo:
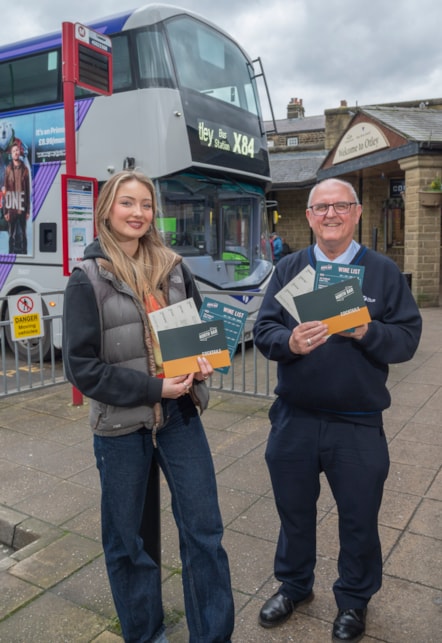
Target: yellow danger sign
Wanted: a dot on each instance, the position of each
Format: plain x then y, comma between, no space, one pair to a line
25,314
27,326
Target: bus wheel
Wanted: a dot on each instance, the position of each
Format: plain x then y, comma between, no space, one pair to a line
30,346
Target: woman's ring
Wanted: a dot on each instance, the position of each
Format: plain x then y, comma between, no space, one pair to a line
309,342
205,377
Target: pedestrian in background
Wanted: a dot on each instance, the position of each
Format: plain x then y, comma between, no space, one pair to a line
137,416
331,392
276,244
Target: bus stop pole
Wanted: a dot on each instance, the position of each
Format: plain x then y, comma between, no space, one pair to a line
68,60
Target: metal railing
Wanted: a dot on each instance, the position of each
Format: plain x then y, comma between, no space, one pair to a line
21,370
249,374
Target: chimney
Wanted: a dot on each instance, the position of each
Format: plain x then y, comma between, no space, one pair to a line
343,103
295,108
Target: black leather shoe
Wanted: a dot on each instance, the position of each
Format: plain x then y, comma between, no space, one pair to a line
349,626
279,608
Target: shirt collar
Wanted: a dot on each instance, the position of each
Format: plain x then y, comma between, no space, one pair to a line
345,257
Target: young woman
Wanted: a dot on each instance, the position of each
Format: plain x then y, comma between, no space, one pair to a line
138,415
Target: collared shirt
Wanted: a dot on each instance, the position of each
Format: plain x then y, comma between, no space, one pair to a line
345,257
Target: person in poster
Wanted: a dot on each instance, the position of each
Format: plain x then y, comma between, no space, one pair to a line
17,201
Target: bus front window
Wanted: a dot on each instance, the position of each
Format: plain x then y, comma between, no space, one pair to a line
209,62
215,226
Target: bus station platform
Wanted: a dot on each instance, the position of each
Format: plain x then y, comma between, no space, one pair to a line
53,583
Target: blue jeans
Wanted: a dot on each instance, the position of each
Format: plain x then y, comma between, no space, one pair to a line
183,454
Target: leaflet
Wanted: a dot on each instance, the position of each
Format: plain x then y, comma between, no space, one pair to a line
341,306
328,273
182,313
234,321
302,283
180,347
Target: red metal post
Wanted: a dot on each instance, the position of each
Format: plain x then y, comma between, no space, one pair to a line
69,78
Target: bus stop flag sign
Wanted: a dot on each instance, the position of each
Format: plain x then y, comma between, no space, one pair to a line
93,60
25,313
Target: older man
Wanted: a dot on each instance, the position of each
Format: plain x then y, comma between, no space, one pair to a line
331,392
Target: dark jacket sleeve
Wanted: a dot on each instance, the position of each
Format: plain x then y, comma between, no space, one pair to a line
394,333
273,326
106,383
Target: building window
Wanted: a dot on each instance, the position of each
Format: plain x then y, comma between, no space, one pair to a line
292,140
395,225
270,142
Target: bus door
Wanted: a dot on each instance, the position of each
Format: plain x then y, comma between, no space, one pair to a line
236,242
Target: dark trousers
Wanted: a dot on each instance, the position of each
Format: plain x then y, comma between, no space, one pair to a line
354,458
18,243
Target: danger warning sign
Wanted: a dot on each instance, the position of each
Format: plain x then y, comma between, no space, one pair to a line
25,312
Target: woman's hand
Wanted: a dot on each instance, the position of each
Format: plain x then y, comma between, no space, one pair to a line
206,369
175,387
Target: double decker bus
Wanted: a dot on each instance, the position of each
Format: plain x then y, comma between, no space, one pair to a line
184,110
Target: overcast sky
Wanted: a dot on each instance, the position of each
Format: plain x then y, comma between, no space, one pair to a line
323,51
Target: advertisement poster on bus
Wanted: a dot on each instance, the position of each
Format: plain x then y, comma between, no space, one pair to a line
25,140
15,187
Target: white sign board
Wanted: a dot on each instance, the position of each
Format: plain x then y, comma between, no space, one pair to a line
361,139
25,313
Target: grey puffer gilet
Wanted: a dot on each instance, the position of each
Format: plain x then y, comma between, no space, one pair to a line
125,340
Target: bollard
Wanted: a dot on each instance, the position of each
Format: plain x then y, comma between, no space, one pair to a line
77,397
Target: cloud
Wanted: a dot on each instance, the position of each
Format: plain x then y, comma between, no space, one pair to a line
365,52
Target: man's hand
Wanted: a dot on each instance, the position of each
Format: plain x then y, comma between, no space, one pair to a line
307,336
357,333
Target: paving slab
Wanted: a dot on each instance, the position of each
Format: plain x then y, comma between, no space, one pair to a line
54,587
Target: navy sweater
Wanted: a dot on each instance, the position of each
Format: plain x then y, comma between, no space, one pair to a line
343,376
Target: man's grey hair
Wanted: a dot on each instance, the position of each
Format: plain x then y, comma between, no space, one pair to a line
341,182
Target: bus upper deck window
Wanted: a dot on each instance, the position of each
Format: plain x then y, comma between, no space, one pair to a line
209,62
154,65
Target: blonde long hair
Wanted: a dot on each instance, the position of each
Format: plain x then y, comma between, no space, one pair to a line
148,269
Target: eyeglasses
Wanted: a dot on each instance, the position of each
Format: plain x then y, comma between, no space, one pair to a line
340,207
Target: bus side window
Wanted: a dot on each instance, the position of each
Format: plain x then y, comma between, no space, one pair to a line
29,81
121,68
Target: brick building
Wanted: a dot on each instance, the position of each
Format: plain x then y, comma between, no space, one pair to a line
391,154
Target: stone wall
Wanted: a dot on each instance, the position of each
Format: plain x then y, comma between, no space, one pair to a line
315,138
422,229
293,225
